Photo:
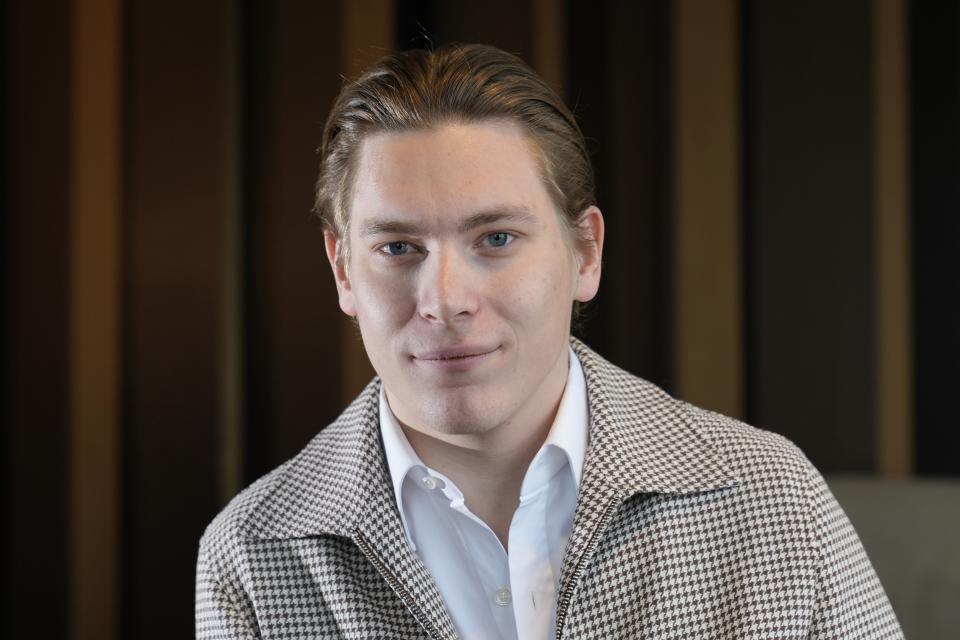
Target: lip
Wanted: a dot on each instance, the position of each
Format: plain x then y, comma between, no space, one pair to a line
457,358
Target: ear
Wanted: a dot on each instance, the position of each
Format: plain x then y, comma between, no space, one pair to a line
336,258
588,249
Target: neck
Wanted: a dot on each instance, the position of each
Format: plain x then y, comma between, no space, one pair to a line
489,467
493,461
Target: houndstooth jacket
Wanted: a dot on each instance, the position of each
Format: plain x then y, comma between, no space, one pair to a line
688,525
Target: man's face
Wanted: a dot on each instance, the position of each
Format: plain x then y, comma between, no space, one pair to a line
462,277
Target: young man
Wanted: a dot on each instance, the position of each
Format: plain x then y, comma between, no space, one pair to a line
499,479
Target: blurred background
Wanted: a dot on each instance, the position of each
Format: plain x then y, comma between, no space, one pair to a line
780,181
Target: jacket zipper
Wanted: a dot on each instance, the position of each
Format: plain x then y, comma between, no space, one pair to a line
398,588
563,602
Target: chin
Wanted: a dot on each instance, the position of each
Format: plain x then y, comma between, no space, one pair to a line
448,429
456,420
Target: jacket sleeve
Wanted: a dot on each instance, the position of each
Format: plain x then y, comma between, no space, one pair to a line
223,610
850,601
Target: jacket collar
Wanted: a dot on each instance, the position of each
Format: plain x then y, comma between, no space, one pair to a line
641,441
334,483
339,485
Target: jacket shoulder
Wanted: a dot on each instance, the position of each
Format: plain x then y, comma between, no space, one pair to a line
751,453
672,445
239,518
292,499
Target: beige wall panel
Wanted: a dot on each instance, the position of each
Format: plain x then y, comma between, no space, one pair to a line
893,292
708,293
95,313
549,35
231,441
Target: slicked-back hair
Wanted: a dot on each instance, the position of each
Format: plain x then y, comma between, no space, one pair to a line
418,90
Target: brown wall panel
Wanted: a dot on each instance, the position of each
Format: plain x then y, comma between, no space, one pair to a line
293,377
96,124
35,253
810,256
549,30
178,183
892,277
708,270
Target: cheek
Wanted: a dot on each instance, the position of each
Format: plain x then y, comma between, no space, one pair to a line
539,291
383,303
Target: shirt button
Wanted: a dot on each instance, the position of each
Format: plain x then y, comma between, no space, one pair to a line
429,482
503,597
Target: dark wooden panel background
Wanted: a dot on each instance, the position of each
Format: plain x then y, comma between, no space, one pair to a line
935,102
233,350
178,131
35,220
808,152
291,75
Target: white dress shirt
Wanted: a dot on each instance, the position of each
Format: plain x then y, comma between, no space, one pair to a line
489,593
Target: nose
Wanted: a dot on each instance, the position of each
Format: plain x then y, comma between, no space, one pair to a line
448,287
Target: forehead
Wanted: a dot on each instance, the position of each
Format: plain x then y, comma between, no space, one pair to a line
443,173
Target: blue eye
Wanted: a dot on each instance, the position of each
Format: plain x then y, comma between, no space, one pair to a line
498,239
396,248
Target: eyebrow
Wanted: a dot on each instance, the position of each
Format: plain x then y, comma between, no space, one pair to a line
516,214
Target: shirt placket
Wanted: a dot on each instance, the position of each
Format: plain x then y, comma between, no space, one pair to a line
491,565
532,576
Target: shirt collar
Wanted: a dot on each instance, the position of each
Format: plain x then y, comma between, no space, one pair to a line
401,457
570,427
568,433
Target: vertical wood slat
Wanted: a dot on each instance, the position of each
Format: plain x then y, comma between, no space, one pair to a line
707,229
549,38
894,449
94,322
368,33
233,256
